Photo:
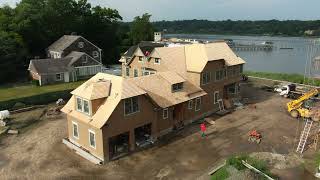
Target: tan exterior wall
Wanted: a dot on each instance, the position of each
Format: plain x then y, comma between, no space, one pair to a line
218,85
119,123
83,139
95,104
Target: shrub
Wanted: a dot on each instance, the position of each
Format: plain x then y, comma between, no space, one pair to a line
35,82
235,161
220,174
40,99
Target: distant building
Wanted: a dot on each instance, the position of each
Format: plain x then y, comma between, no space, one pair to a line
157,36
70,58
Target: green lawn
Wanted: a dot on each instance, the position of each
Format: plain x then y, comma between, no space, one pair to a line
295,78
15,92
221,174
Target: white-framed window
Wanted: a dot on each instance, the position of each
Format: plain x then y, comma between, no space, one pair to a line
198,104
92,139
58,76
127,71
190,104
84,59
75,130
177,87
220,74
157,61
95,54
135,73
81,44
216,97
83,105
205,77
165,113
131,105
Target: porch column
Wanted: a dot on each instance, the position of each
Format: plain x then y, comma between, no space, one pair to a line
132,144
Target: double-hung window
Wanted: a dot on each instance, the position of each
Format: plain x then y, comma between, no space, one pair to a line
83,105
79,104
205,77
127,71
165,113
75,130
59,77
92,139
190,104
131,105
198,104
135,73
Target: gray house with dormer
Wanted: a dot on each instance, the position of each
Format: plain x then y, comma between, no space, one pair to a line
71,58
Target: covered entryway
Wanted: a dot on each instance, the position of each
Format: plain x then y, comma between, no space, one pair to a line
119,145
143,135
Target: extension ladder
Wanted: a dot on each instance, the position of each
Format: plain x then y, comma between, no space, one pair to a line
304,136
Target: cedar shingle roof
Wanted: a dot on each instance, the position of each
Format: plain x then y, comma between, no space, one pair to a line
159,89
119,89
47,66
62,43
197,55
144,47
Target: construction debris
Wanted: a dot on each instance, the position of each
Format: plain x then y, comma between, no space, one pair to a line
3,123
210,121
4,114
53,112
60,102
11,131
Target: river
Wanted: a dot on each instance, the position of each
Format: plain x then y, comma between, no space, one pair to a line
277,60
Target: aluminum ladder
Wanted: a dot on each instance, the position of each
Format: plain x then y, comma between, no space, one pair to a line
304,136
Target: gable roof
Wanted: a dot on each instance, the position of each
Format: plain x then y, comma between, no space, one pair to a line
172,57
197,55
159,89
76,56
119,89
62,43
47,66
94,90
144,46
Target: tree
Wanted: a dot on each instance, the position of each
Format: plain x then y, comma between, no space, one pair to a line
33,25
12,55
141,29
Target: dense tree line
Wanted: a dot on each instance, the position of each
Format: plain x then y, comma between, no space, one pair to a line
271,27
29,28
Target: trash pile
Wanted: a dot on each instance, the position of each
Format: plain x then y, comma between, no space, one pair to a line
4,118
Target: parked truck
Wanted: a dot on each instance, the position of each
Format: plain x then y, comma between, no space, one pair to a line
289,91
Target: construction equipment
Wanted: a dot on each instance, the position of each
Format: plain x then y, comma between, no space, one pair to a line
299,108
254,136
304,136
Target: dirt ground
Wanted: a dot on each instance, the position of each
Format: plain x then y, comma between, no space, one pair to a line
38,152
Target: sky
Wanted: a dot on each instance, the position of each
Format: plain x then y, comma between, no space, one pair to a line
211,9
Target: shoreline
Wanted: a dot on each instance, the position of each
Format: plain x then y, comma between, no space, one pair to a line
250,35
